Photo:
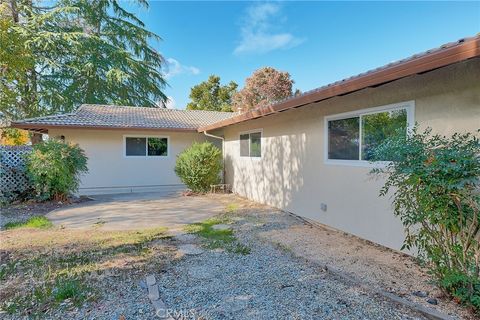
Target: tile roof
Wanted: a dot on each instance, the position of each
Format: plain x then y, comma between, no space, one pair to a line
444,55
108,116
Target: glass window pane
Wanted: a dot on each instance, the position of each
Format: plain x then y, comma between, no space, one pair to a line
255,144
157,146
135,146
343,139
379,126
244,145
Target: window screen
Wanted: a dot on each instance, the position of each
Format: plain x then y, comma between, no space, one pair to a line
135,146
244,145
343,139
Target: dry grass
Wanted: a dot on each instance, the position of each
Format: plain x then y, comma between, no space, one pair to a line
54,270
45,269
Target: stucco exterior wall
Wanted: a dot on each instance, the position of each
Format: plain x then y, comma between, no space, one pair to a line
111,172
292,174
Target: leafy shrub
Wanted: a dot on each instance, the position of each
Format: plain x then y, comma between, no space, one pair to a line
436,183
54,168
199,166
462,287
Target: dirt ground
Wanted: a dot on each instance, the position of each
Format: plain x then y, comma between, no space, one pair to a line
372,264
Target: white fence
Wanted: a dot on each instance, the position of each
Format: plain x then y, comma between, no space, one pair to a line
13,179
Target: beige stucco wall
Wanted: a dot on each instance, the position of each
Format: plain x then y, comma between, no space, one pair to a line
110,171
292,174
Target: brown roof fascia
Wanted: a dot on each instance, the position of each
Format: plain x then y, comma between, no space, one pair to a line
417,64
43,128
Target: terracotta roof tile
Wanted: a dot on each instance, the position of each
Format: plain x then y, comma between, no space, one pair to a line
108,116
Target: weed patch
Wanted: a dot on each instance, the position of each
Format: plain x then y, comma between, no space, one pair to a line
69,289
49,296
217,238
231,208
38,222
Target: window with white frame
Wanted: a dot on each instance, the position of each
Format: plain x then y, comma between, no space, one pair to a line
251,144
146,146
354,136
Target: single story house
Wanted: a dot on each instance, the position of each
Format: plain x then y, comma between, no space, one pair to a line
308,154
129,149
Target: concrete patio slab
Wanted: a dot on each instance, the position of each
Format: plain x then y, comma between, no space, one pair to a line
137,211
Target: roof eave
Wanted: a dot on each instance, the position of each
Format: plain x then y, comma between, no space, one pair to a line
424,63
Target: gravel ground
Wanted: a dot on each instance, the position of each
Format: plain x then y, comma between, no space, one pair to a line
268,283
127,297
375,266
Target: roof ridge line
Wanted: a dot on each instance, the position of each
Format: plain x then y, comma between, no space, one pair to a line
149,108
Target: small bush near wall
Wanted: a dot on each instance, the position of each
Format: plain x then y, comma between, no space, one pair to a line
199,166
54,168
436,183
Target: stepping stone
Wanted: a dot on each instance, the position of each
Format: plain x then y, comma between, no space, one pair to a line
221,227
190,249
186,238
151,280
153,292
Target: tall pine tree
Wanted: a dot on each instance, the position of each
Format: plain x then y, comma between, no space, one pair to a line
77,51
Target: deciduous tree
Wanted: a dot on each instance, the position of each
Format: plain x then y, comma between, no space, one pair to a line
211,95
265,86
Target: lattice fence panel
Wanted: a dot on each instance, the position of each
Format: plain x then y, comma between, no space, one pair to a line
12,169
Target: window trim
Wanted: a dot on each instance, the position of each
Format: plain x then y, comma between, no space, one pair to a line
249,143
409,106
146,156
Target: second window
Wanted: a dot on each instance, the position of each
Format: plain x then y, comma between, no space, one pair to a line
251,144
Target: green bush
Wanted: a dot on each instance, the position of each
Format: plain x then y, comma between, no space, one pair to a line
54,168
199,166
463,288
436,183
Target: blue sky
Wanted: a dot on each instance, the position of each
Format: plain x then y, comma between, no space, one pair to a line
316,42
